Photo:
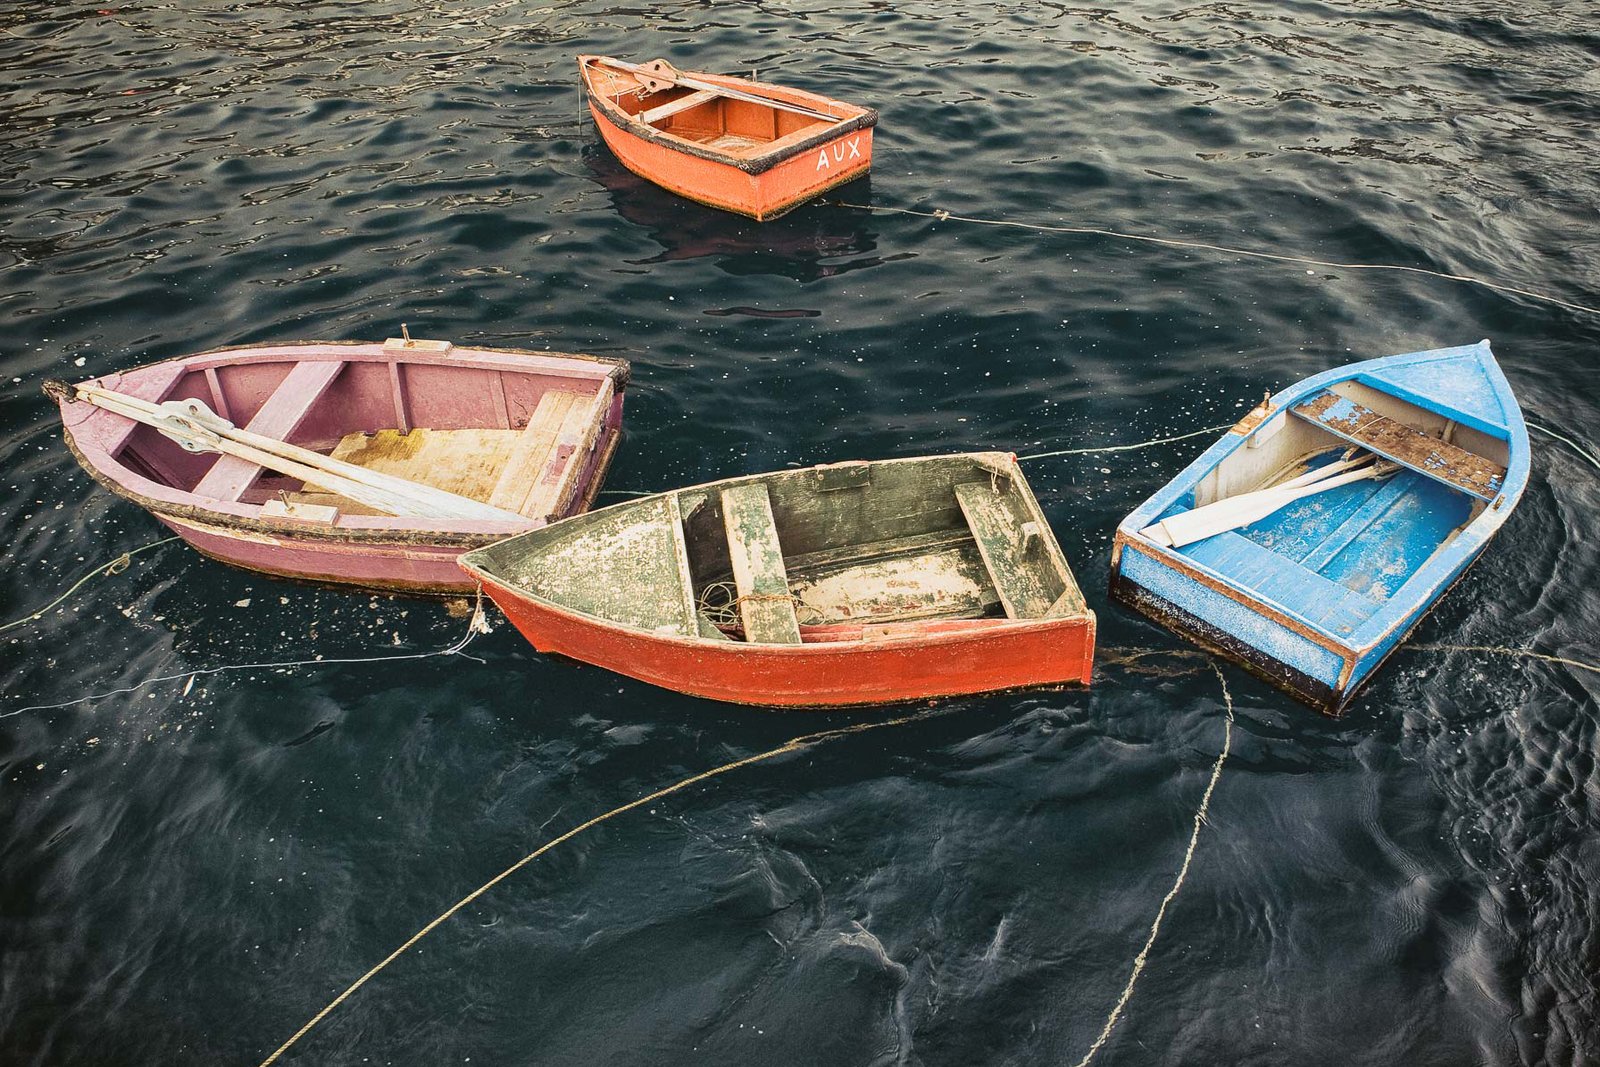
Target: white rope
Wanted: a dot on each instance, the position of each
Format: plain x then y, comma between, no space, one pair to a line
1204,246
1593,460
110,567
475,626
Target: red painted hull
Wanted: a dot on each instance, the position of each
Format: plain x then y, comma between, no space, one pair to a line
760,179
760,196
884,664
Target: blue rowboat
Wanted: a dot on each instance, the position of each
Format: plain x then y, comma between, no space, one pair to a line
1309,541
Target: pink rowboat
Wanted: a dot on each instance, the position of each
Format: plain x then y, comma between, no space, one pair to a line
525,437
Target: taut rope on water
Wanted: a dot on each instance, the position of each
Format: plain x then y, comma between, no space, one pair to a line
1515,653
110,567
796,744
1204,246
476,624
1123,448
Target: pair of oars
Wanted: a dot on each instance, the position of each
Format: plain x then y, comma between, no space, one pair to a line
658,74
1234,512
197,428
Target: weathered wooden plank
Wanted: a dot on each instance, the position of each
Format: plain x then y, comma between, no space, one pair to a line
1006,552
625,565
1410,447
465,462
557,483
278,418
948,582
695,99
765,603
848,555
527,459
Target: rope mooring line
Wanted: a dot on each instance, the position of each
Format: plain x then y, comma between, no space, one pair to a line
1123,448
1589,457
116,565
794,744
1143,957
1204,246
476,624
1498,650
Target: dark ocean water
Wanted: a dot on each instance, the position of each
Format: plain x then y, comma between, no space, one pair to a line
190,871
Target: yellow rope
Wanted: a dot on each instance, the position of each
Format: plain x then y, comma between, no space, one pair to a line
794,744
1123,448
110,567
1143,957
1204,246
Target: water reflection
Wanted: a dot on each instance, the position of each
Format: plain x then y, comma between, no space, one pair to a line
815,241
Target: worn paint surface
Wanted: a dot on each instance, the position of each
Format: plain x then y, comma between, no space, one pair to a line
447,389
1394,440
890,568
764,599
733,155
1355,568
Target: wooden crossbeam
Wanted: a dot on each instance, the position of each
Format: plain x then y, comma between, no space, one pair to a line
765,604
1405,445
1004,548
693,100
279,417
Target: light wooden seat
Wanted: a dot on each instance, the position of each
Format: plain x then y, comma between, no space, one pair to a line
765,604
541,474
1005,547
683,103
278,417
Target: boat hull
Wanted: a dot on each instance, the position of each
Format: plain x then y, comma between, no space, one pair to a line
411,556
931,660
762,196
414,565
1316,603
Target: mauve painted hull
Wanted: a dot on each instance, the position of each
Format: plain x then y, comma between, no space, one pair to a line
942,660
393,567
414,556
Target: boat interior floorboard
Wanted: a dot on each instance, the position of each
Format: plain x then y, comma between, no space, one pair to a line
1338,556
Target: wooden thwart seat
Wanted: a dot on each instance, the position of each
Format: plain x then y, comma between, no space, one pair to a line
1005,549
541,474
282,414
695,99
1405,445
765,604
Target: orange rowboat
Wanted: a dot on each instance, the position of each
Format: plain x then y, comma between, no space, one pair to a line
851,583
729,143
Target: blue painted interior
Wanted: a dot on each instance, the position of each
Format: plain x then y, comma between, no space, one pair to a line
1335,558
1339,560
1458,383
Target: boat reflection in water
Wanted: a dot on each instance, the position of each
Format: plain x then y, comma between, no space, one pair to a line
815,241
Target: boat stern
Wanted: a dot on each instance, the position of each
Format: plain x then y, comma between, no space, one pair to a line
1280,650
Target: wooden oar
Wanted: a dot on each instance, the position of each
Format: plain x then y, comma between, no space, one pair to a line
1234,512
662,71
197,428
